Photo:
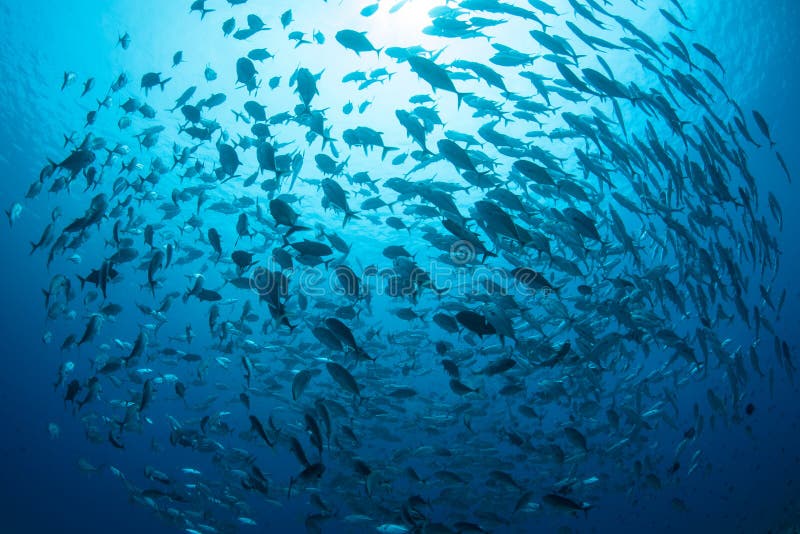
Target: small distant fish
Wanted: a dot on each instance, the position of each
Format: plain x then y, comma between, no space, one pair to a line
88,85
124,41
13,213
369,10
200,5
763,126
286,18
69,79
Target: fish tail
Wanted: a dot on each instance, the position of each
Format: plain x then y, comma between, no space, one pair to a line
296,228
385,150
163,82
460,97
349,215
82,281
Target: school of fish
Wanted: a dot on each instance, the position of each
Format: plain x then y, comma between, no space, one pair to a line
474,317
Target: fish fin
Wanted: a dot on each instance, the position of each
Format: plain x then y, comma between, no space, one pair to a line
460,97
349,215
296,228
387,149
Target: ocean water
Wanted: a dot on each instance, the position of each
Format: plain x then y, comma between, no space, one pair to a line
485,461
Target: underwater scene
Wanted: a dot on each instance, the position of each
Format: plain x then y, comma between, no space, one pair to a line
400,266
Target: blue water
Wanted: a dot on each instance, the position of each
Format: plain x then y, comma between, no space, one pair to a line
747,469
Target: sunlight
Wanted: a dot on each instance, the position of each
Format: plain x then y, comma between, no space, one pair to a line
403,18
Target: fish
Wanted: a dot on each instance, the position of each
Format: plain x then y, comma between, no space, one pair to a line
13,213
435,75
300,382
356,41
343,377
259,428
153,79
560,502
764,127
199,5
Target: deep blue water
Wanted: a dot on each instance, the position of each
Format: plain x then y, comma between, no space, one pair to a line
745,480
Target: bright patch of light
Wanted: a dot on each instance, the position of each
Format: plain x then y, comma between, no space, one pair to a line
403,20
